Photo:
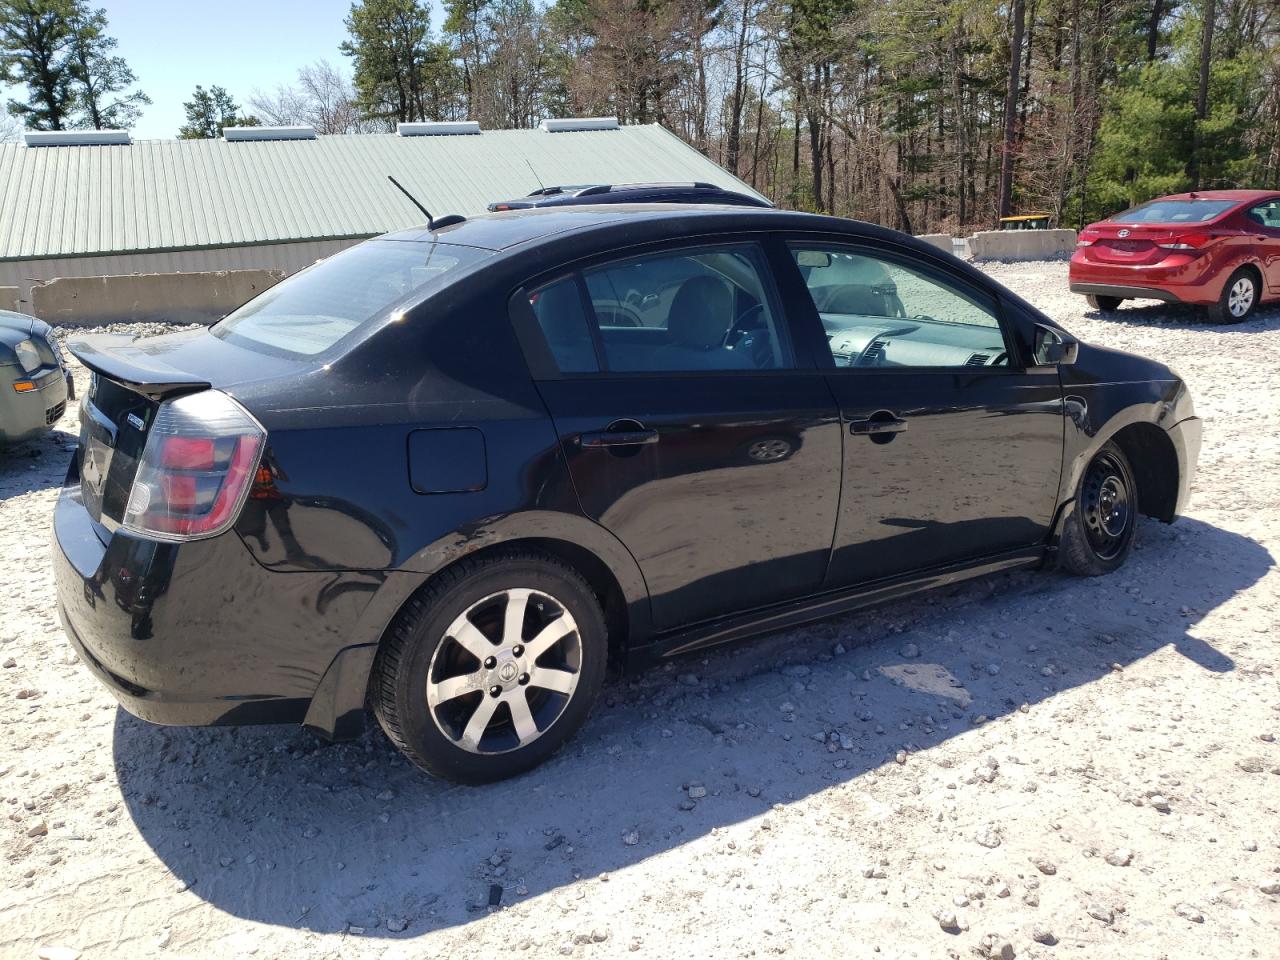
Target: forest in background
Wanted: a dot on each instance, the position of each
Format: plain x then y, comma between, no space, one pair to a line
925,115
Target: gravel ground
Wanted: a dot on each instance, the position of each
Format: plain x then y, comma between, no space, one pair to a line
1029,765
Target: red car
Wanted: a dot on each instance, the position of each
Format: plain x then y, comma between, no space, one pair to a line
1219,249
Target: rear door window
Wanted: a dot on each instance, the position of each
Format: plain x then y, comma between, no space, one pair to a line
308,313
699,309
562,317
1267,215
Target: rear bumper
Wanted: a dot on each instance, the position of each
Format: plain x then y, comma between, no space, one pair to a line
1125,292
27,415
1179,278
199,633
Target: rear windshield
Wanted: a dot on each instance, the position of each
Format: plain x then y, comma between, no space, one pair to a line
311,311
1175,211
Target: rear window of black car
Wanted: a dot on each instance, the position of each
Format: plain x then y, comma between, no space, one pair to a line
1175,211
308,313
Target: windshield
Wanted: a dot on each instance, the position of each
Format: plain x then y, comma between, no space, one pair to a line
311,311
1174,211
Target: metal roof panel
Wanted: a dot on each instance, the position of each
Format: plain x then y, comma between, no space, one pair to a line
170,194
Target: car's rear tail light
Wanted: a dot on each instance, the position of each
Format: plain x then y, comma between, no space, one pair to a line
200,460
1184,241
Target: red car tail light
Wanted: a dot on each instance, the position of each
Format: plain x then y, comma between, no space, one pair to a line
1185,241
197,467
1087,238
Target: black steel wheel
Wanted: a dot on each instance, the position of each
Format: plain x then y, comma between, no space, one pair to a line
1099,532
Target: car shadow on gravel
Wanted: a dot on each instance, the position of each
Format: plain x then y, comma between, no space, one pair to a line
36,464
272,825
1174,316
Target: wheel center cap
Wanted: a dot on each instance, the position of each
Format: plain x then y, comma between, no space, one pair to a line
508,671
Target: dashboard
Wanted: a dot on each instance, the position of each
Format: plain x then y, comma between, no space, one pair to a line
864,341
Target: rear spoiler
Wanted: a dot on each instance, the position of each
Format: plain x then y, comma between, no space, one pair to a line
134,364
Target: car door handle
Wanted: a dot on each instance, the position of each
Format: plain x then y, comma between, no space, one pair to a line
618,438
876,425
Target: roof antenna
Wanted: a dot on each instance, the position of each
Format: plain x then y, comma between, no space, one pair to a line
431,224
541,188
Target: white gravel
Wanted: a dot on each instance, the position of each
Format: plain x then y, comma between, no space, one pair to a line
731,805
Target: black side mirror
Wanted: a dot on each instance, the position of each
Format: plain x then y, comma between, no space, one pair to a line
1054,348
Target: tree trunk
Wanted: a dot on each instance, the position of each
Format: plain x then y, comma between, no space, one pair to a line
1153,28
1011,109
1202,94
733,138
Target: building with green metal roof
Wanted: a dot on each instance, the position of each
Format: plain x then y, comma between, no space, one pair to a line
96,203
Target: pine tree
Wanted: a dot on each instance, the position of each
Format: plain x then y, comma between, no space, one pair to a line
391,53
35,37
209,111
97,74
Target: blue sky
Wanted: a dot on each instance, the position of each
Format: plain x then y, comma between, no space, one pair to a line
237,44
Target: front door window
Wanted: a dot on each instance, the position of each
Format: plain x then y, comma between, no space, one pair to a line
878,312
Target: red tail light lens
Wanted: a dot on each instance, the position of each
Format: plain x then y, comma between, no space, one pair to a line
1087,238
1184,241
196,470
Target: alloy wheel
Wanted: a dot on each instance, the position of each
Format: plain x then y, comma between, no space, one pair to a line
505,671
1240,298
1108,507
765,451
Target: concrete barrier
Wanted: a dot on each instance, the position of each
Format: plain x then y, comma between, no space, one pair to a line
940,240
9,298
1022,244
155,297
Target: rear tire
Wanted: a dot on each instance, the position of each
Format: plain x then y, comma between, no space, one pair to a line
492,668
1106,304
1099,533
1239,298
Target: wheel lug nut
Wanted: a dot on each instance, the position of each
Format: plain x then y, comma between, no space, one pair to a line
524,678
490,663
517,650
495,691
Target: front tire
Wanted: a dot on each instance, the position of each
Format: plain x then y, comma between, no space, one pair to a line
1099,533
492,668
1239,298
1106,304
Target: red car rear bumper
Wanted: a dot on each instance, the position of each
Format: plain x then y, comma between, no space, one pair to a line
1180,279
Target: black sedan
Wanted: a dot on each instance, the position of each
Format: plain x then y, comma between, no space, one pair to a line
34,384
452,473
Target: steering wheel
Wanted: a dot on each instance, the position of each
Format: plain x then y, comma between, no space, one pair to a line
740,332
739,328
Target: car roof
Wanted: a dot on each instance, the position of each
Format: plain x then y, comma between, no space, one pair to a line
1239,196
510,228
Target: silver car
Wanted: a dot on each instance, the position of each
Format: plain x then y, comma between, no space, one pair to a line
35,385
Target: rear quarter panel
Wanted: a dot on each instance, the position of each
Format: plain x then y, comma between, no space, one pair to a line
336,492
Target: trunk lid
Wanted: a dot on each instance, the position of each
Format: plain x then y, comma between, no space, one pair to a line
1133,244
130,379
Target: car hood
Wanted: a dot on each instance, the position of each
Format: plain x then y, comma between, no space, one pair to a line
1106,364
18,322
